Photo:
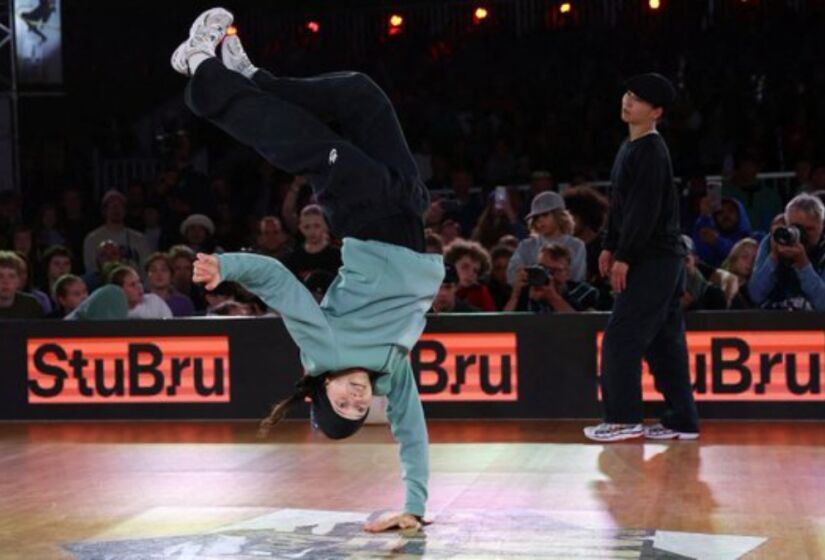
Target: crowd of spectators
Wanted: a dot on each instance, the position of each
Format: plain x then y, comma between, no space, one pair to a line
495,126
540,258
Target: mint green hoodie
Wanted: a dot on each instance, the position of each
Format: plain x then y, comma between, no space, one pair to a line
371,317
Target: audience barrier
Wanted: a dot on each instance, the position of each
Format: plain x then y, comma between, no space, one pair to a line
745,365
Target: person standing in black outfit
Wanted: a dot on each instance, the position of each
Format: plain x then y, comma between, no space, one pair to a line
644,256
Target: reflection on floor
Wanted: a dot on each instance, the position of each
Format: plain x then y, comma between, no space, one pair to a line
498,490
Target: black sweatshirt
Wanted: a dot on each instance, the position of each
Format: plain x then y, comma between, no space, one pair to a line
643,222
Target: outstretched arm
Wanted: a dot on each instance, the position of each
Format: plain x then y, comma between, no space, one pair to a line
268,279
409,428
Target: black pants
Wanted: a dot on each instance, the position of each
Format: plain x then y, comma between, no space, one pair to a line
647,322
364,177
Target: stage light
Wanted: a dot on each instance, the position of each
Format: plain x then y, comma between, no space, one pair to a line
566,7
655,4
231,30
480,14
314,26
396,24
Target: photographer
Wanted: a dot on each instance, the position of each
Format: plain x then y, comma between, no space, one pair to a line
790,267
551,290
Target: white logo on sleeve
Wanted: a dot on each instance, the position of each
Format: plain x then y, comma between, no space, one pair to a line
333,155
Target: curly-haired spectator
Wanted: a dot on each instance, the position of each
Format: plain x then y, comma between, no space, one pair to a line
14,304
471,263
446,300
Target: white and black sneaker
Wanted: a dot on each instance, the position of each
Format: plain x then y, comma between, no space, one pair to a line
207,31
235,58
614,432
659,431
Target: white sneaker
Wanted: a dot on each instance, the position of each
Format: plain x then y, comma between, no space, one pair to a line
658,431
206,33
614,432
235,58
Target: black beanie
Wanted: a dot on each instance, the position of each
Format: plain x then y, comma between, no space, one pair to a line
653,88
324,417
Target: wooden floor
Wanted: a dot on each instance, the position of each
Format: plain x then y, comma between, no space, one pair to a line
67,483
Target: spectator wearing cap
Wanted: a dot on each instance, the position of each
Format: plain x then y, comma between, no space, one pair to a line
541,181
131,243
198,231
699,294
159,282
471,262
549,222
107,303
645,258
446,301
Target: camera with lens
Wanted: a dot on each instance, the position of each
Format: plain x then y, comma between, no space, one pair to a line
789,235
537,276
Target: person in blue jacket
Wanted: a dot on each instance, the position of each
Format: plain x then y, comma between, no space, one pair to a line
715,232
355,344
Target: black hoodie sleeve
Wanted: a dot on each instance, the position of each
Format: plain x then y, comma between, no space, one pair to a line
643,198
